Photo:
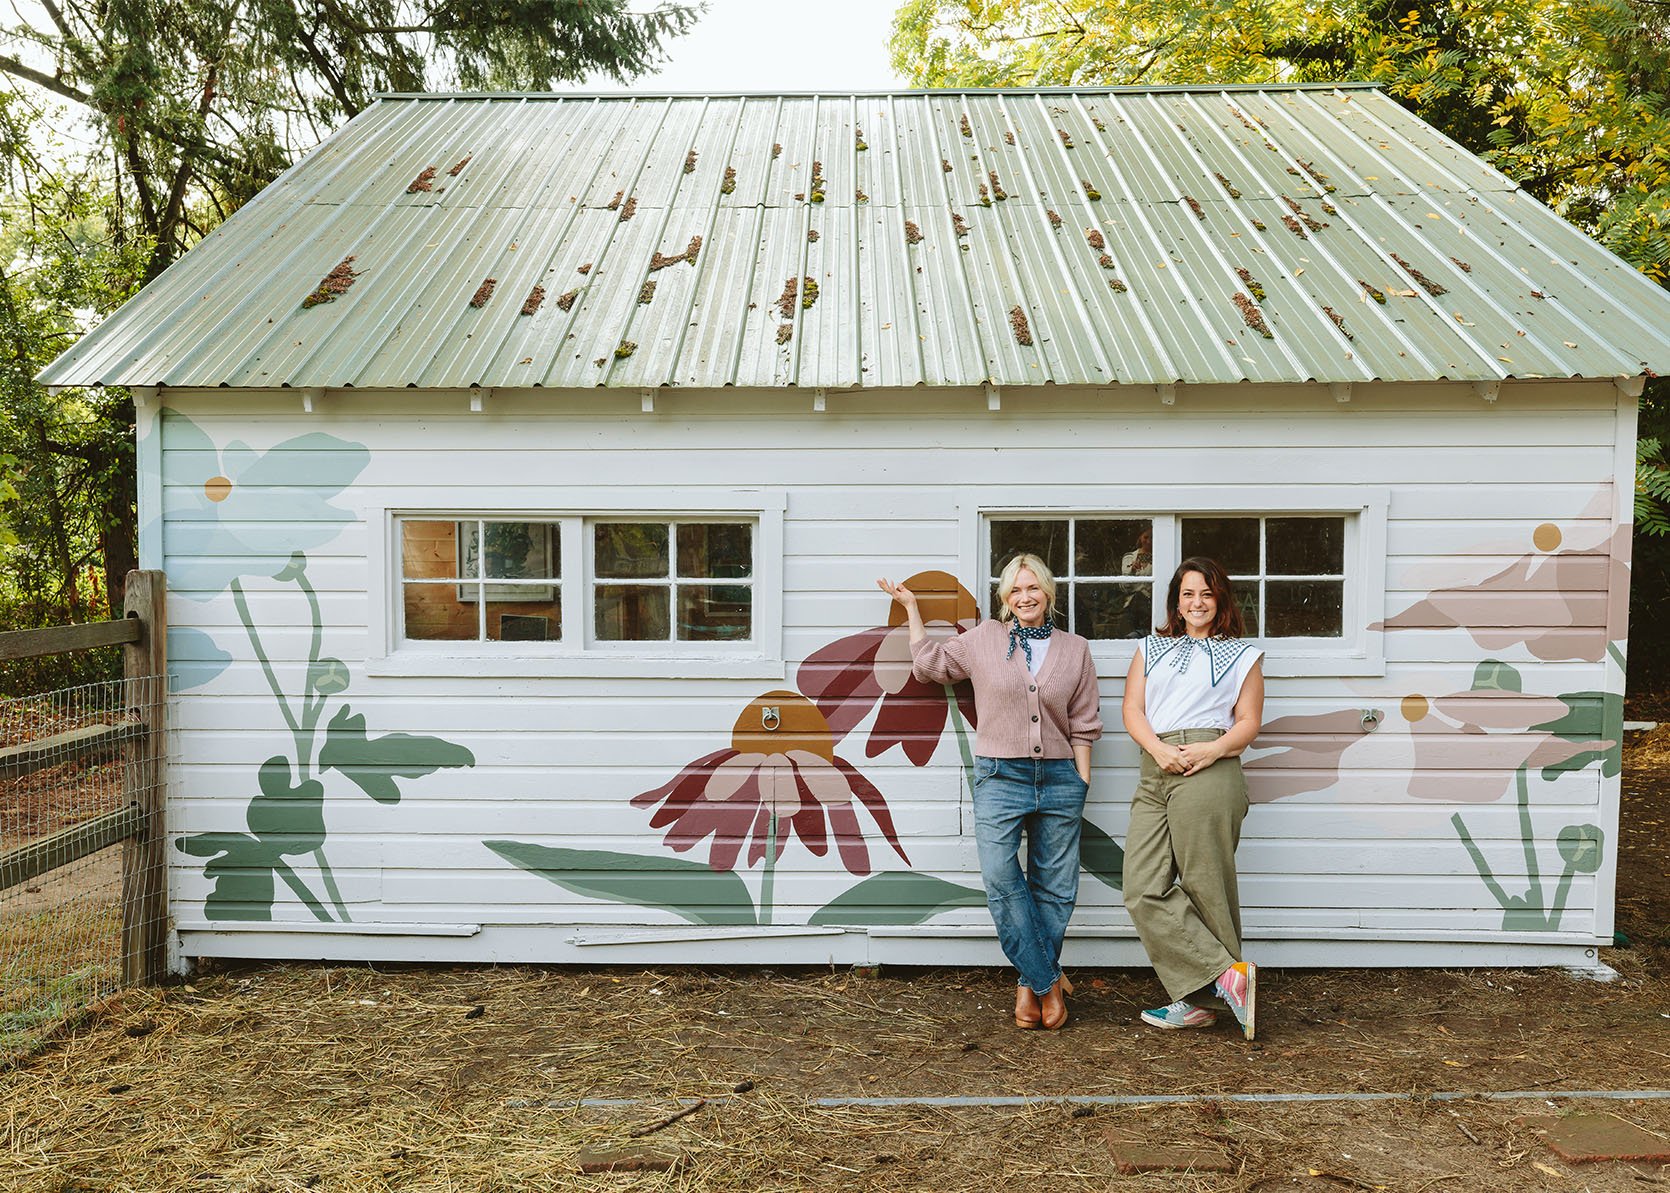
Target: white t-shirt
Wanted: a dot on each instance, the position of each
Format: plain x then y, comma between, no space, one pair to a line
1193,683
1040,648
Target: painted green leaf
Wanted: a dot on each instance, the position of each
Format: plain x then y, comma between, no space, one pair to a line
1101,856
896,897
288,818
241,869
1578,725
1496,676
328,676
1580,846
374,763
690,890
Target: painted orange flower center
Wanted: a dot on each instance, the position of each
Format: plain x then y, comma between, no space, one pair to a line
1546,537
217,488
940,598
780,721
1414,708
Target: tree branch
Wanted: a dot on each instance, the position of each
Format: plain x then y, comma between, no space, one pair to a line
11,66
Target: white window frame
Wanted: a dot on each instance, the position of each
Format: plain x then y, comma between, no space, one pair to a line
1357,652
577,654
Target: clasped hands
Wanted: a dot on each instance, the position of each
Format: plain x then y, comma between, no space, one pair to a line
1188,759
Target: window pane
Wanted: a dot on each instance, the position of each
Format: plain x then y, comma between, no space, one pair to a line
525,621
631,550
435,614
721,551
1045,539
1306,546
631,612
1306,608
1233,542
715,612
518,550
1112,610
1107,547
1246,596
429,550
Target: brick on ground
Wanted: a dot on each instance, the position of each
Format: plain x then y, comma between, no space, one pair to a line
1590,1138
1136,1155
627,1159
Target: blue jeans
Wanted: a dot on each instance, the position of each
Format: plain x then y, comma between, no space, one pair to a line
1042,799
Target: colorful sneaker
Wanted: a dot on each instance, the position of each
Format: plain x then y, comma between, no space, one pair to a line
1238,986
1180,1014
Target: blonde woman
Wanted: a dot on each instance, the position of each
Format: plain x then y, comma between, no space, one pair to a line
1037,708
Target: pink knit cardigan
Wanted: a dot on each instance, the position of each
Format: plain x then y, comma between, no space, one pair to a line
1019,716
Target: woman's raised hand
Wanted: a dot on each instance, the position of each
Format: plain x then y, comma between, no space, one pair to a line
898,592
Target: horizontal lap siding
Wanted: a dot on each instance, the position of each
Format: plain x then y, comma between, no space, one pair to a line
1359,834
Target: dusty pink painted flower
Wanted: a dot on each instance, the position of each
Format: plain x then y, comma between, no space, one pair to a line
780,776
1305,753
1554,602
851,676
1469,744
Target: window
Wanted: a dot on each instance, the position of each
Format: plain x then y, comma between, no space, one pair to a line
1103,569
481,580
1289,572
581,582
1289,569
672,581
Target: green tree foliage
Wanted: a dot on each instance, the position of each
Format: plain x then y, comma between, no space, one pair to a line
130,128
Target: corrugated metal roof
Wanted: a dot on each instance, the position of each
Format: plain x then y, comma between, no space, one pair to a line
952,228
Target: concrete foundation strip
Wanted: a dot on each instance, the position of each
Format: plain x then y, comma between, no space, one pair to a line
1114,1099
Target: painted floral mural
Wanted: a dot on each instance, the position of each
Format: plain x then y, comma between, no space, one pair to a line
872,670
248,513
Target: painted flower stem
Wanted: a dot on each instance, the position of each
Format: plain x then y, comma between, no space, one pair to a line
266,664
301,730
1527,835
295,883
768,874
962,738
330,884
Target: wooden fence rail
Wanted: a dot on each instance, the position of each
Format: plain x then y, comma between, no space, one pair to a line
140,738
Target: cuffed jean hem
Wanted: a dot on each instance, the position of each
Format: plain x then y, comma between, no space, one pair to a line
1041,801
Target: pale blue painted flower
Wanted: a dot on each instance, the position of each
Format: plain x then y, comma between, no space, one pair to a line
232,512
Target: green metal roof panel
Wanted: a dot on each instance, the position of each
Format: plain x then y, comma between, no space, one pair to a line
649,241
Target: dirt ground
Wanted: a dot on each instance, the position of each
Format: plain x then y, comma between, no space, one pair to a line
362,1078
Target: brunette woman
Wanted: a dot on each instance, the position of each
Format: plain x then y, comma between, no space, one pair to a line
1194,700
1037,708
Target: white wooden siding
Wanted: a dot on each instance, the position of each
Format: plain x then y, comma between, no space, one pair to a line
872,488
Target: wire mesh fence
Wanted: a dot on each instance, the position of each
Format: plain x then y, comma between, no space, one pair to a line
78,880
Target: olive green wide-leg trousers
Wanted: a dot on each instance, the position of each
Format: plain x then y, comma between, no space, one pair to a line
1180,883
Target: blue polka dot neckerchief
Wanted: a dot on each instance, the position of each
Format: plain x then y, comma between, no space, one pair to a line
1220,652
1026,635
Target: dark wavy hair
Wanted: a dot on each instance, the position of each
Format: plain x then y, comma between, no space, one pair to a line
1228,622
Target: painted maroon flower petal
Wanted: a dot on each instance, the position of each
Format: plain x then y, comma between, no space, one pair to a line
841,679
913,718
872,799
681,790
849,839
965,701
808,822
729,841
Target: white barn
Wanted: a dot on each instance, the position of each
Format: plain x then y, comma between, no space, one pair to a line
522,466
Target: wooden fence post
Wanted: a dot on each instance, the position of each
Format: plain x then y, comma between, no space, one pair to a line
144,859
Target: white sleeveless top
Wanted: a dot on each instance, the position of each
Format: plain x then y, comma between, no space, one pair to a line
1193,683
